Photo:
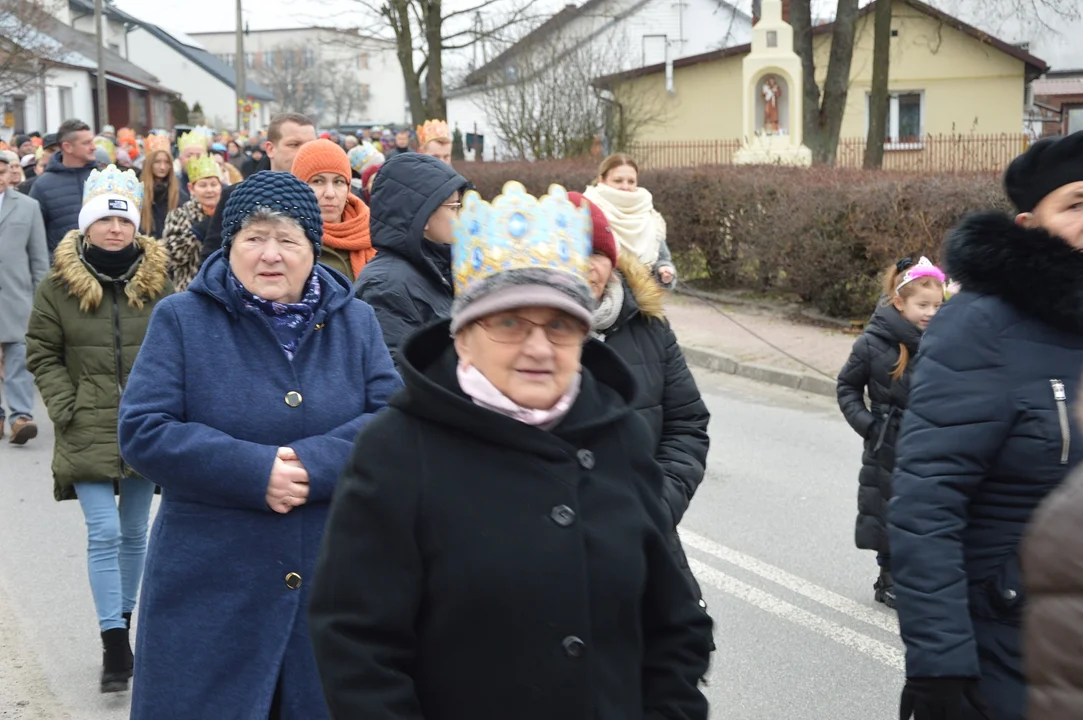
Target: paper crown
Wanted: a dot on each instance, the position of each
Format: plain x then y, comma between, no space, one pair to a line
432,130
362,155
923,268
519,232
154,143
201,167
125,135
107,145
191,139
113,182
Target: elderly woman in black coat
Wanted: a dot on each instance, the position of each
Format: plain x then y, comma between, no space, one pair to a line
497,547
988,435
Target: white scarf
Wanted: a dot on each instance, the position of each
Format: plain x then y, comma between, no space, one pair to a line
637,226
609,308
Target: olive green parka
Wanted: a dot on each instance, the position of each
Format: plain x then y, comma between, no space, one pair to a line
85,331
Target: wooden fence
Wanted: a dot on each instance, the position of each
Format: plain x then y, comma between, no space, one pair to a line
934,153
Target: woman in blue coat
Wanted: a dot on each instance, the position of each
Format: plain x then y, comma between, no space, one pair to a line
987,436
243,407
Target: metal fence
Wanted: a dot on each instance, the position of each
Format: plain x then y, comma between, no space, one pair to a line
933,153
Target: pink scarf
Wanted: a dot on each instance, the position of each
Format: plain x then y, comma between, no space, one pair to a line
485,394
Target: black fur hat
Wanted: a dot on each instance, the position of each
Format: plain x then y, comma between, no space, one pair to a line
1048,164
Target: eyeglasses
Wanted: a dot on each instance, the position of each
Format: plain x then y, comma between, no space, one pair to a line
456,207
513,330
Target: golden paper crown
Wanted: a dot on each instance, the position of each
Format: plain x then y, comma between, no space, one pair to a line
192,139
112,181
432,130
154,143
201,167
108,146
519,232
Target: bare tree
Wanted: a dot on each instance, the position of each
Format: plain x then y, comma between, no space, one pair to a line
423,30
294,78
26,48
547,105
344,95
823,116
878,95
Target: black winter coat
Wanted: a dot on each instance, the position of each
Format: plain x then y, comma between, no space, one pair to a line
160,209
59,192
408,283
477,567
872,361
666,393
988,435
212,241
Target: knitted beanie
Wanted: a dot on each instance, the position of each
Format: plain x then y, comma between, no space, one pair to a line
601,234
368,172
321,156
1048,164
279,191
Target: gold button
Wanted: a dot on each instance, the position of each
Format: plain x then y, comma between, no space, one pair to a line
293,398
293,581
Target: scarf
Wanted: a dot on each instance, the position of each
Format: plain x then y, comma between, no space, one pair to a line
352,234
111,263
610,306
289,321
485,394
637,226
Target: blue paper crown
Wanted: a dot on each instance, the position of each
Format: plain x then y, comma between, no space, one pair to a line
519,232
112,181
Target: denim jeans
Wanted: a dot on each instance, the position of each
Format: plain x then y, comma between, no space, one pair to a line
116,544
18,383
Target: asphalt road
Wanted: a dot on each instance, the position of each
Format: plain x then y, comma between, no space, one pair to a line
770,535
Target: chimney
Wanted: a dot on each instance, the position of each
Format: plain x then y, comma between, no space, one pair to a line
756,5
786,11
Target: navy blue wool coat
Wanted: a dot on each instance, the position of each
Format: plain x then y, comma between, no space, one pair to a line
59,192
989,433
209,401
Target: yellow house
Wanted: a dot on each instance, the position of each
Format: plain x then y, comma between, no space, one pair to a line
946,79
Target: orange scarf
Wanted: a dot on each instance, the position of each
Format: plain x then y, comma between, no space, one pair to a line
352,234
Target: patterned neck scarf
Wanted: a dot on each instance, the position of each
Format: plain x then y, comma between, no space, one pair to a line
288,320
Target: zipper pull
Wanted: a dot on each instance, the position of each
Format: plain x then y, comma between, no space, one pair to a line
1058,390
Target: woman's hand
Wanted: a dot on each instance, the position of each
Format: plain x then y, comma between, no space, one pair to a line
666,274
287,487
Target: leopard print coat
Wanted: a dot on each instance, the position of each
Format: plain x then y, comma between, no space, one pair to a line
183,243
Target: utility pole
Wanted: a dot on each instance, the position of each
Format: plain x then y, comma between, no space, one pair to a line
239,65
103,93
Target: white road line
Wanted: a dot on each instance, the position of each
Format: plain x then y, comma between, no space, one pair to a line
888,655
825,597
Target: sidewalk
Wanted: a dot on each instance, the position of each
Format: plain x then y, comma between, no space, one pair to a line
712,341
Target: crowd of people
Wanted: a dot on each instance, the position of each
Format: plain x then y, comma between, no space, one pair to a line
422,454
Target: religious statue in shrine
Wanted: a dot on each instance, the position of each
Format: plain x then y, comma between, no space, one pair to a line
772,95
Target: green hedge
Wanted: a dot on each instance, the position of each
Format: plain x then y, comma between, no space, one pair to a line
822,234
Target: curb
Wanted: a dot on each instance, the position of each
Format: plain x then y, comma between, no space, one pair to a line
721,362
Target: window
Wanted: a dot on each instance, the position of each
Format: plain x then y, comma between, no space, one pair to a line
67,104
364,92
1075,118
772,38
270,58
309,57
363,61
249,60
905,121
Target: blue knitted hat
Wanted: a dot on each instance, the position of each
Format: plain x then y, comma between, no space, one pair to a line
278,191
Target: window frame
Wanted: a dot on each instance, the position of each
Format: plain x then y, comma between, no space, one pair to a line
892,142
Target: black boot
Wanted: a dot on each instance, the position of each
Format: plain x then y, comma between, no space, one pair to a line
884,589
116,660
131,656
128,620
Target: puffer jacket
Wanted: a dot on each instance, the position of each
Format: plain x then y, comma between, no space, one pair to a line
408,283
872,361
59,191
987,437
85,332
1054,580
667,397
183,240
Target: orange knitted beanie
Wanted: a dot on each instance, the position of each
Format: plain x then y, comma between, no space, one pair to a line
321,156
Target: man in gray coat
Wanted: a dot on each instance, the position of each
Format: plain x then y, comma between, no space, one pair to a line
24,261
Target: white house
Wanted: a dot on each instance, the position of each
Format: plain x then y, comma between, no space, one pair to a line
199,76
358,77
617,35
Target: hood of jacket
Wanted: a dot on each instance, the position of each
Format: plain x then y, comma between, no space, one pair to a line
408,189
1030,269
145,280
642,293
212,281
888,324
56,165
428,363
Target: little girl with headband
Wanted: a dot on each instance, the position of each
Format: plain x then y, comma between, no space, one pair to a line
881,361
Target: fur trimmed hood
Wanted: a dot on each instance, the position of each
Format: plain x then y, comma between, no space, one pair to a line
145,281
646,292
1028,268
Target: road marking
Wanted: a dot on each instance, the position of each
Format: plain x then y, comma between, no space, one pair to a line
855,610
888,655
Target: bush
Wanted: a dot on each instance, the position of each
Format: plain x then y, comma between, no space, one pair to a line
823,234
